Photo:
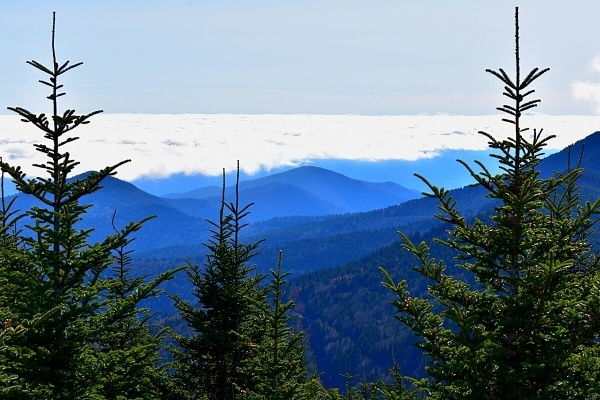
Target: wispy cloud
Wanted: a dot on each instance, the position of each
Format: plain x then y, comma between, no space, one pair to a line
589,91
164,144
14,154
594,64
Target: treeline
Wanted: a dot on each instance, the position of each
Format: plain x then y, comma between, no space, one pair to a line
516,315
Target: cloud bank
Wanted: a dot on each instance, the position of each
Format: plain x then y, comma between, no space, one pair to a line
160,145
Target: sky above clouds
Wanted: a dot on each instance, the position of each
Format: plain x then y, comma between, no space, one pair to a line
380,57
192,86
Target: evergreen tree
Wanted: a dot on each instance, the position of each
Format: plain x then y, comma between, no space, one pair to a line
377,389
279,362
12,290
522,319
127,335
54,282
209,363
396,389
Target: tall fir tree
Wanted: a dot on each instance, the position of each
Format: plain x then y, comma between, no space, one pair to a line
243,344
278,364
54,281
522,320
208,364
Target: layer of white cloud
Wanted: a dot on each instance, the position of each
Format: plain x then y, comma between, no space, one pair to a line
160,145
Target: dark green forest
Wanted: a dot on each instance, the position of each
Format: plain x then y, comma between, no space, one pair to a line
490,291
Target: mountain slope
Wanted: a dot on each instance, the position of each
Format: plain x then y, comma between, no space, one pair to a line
127,204
347,312
181,222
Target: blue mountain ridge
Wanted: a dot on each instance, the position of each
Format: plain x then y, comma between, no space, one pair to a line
181,219
335,192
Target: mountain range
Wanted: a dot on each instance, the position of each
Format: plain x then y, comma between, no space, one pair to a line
181,217
334,233
307,191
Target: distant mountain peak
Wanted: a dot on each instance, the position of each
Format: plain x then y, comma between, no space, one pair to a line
327,191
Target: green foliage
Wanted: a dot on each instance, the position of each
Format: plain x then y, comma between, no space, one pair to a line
243,344
70,330
278,365
208,364
526,325
128,336
369,390
10,283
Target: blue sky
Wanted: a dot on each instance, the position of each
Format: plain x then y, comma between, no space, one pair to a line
403,59
328,57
